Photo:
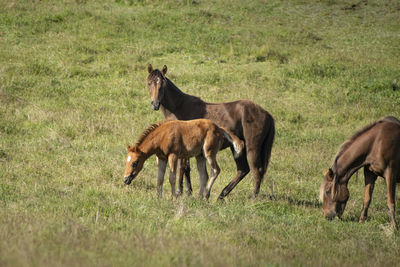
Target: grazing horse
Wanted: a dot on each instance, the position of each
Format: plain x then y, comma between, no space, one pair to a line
171,140
376,147
244,118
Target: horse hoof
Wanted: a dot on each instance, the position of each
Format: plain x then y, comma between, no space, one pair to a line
221,199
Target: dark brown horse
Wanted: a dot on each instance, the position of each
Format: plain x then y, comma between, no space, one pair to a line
244,118
376,147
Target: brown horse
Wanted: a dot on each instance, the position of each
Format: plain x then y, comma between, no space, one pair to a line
245,119
376,147
171,140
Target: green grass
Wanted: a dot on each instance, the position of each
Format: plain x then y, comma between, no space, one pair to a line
72,94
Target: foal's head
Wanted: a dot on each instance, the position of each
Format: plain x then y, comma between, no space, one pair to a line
156,84
134,163
333,195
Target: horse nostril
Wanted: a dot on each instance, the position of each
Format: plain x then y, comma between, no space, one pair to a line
155,105
127,180
330,216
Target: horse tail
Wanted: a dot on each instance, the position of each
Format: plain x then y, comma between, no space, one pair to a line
266,147
238,144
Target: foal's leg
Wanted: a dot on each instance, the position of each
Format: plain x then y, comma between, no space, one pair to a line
370,179
243,169
391,186
172,160
215,170
180,169
187,178
183,169
162,165
202,168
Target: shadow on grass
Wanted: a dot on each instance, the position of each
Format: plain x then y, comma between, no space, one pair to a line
314,203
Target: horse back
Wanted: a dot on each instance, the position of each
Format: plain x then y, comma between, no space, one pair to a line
186,138
385,149
239,116
388,140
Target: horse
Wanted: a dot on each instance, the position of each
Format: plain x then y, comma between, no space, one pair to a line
376,147
245,119
171,140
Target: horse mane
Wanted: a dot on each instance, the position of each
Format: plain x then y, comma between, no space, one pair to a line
146,132
349,141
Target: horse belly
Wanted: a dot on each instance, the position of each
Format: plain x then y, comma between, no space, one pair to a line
191,150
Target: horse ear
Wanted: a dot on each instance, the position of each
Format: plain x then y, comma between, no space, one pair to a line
149,68
136,149
128,147
329,174
164,70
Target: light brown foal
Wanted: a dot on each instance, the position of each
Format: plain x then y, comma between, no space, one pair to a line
172,140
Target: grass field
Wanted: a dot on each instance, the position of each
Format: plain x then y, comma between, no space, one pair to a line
72,94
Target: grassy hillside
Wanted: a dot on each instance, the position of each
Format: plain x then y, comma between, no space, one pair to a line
72,94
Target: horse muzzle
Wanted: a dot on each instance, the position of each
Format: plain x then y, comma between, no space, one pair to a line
128,179
330,215
155,105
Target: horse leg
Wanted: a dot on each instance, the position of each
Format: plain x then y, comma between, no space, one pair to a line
391,186
187,178
370,179
215,170
243,169
202,168
180,169
162,165
257,168
172,160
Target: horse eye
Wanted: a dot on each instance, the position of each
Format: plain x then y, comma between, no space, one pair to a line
149,84
134,164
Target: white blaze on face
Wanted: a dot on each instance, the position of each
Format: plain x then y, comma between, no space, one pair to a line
128,159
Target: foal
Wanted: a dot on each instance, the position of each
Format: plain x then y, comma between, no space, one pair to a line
171,140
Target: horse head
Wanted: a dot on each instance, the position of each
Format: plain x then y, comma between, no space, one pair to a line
334,195
134,163
156,83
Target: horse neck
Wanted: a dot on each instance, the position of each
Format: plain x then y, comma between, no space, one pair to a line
149,145
349,161
173,97
177,105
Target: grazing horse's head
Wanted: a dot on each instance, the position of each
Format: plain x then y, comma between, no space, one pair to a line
134,163
334,195
156,84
